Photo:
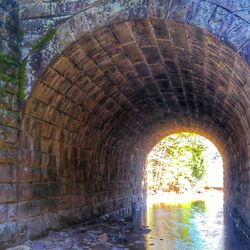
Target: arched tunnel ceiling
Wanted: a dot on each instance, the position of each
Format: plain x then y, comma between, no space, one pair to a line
122,79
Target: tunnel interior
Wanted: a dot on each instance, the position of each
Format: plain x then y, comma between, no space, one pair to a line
101,105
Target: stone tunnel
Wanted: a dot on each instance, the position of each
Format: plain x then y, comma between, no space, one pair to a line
114,78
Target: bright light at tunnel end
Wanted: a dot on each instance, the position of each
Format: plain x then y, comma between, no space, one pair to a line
175,153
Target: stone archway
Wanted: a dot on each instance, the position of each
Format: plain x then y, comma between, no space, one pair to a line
99,105
115,78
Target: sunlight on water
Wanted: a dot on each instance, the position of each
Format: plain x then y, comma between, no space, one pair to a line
194,224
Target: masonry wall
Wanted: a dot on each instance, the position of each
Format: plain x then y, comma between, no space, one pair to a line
9,117
228,20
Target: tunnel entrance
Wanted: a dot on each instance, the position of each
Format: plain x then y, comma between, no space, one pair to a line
101,99
101,105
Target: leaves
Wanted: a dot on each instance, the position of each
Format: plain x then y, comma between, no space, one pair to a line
176,163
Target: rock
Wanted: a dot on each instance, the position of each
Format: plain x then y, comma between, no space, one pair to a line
83,229
63,234
103,237
139,242
37,245
94,231
51,234
119,238
21,247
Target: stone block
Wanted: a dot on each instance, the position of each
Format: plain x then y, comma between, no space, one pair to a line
11,212
133,53
24,174
3,213
24,192
245,51
231,29
66,68
200,13
151,55
45,190
9,118
142,33
68,7
7,87
8,173
33,10
30,208
8,155
179,10
8,232
122,33
8,135
8,193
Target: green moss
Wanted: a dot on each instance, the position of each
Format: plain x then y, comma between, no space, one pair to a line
8,65
44,40
22,79
8,60
8,78
20,33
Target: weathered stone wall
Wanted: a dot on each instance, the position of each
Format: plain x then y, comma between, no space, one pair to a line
228,20
9,115
114,79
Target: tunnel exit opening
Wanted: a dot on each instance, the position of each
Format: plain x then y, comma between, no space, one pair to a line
185,197
184,163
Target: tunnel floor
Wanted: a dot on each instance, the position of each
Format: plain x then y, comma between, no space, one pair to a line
192,224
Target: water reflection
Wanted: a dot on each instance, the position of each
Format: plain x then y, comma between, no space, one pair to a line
196,224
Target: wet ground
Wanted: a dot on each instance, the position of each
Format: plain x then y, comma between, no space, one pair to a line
111,235
178,225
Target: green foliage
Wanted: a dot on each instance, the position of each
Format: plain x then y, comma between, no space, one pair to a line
8,65
44,40
20,33
22,75
176,163
7,60
7,68
13,70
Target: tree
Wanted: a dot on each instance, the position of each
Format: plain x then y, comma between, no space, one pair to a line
176,163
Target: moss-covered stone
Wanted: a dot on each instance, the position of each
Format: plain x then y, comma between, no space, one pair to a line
43,40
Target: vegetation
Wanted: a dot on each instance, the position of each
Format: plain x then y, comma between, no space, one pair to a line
7,68
176,163
22,75
14,71
44,40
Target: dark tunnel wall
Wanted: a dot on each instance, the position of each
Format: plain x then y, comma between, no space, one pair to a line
98,108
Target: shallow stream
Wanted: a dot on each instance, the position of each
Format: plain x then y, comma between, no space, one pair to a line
196,224
166,223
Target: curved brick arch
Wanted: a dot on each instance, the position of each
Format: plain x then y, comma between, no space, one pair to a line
108,98
227,20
